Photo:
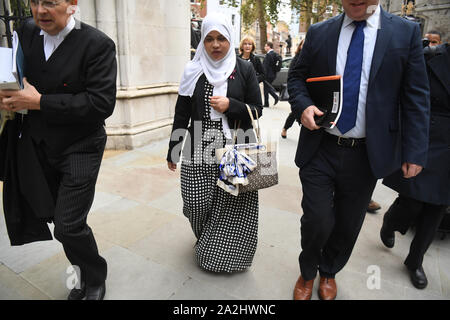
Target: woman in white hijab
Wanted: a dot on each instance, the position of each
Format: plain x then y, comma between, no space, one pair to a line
215,90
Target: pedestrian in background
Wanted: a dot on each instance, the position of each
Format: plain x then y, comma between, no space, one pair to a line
215,90
422,202
434,37
270,74
288,45
247,48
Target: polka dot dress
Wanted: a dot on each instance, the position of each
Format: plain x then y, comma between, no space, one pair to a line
226,226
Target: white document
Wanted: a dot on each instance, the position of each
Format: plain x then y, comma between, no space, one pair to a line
7,79
11,67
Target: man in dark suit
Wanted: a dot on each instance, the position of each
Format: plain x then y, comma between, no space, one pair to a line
69,91
423,200
383,126
270,74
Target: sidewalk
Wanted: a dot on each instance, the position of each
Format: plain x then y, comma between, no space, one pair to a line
141,231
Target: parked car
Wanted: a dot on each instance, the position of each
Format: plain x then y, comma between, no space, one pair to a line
282,75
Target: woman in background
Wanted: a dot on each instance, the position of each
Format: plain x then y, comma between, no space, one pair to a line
247,48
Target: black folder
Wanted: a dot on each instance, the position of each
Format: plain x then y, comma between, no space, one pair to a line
326,93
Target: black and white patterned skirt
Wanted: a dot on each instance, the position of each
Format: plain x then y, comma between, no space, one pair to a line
226,226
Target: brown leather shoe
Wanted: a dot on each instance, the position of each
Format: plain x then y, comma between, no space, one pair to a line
327,289
373,207
303,289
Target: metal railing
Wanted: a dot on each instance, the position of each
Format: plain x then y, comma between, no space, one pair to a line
13,13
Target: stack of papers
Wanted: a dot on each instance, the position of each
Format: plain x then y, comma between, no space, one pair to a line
11,66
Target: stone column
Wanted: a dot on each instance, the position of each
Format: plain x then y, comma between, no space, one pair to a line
86,12
153,40
153,47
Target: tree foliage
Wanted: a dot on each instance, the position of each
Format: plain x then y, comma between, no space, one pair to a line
313,11
22,8
263,11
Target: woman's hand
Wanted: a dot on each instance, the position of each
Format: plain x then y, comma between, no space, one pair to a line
220,104
172,166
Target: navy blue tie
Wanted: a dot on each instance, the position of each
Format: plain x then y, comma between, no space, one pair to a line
352,79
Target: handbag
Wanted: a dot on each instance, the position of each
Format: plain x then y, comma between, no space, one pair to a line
248,167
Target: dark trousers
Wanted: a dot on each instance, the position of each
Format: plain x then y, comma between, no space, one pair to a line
337,185
289,121
426,217
72,177
269,89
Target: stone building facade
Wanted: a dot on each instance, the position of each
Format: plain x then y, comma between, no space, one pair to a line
435,14
153,41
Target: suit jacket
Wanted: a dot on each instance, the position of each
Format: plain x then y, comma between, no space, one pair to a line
269,66
432,185
78,87
397,108
243,89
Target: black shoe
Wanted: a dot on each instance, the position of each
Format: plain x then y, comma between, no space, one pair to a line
266,106
78,294
96,293
276,100
387,236
418,278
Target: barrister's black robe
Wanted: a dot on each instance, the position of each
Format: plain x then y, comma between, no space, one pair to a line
24,224
78,87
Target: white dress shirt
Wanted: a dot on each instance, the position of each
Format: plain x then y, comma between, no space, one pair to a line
51,43
370,38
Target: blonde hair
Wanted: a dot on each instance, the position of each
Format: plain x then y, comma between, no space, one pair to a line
247,38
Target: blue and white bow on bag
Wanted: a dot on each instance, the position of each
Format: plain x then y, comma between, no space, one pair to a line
234,168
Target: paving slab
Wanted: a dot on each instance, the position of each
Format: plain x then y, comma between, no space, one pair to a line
444,271
51,276
133,277
125,227
20,258
14,287
203,291
138,222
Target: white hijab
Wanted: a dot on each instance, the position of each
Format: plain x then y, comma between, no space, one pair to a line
217,72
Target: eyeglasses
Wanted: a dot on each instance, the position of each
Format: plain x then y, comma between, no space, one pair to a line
45,3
